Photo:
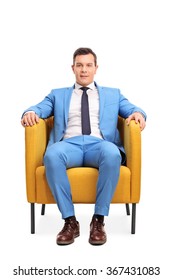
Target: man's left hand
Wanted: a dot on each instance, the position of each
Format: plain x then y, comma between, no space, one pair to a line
139,118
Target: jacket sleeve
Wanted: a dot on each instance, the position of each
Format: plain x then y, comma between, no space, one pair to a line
45,108
126,108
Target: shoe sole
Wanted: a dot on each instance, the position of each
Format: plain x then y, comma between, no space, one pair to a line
97,242
66,242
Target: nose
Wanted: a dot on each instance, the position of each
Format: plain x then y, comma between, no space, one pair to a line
84,69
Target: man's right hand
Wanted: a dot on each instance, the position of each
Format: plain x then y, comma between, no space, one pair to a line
29,119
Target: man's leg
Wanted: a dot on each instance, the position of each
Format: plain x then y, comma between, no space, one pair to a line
57,159
107,158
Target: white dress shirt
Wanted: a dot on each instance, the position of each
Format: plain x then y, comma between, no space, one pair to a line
74,119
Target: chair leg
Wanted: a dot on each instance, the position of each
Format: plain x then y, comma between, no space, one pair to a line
127,209
32,218
133,218
43,209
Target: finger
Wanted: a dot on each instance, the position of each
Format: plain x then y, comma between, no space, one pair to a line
137,118
36,118
143,124
32,119
28,119
128,120
23,122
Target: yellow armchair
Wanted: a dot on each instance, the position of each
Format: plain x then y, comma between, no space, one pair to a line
37,189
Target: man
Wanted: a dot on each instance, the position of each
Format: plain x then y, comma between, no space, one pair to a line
79,138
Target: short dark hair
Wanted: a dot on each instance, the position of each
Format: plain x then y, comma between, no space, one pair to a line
83,51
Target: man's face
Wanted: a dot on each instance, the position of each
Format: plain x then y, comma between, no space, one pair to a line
84,69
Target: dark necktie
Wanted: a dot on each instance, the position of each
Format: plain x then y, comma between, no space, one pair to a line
85,118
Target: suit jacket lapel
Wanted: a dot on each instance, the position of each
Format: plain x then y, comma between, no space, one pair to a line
67,98
101,100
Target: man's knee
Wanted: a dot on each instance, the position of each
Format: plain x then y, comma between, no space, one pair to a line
52,155
110,154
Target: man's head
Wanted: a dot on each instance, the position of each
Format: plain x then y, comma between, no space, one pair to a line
84,66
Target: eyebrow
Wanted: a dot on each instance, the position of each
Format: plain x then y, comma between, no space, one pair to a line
80,63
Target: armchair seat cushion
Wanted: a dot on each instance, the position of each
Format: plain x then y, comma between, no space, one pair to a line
83,182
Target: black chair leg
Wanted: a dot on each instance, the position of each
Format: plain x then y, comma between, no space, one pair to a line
133,218
127,209
32,218
43,209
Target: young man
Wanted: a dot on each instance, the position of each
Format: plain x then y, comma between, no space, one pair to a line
84,136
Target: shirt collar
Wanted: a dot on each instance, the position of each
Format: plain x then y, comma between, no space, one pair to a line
91,86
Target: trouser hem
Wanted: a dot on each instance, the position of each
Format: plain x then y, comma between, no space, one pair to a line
104,211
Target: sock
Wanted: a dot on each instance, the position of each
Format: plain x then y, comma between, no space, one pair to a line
99,217
70,217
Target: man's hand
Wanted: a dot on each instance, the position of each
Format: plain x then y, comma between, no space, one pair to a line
139,118
29,119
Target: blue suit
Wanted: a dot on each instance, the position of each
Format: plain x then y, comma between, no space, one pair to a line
84,150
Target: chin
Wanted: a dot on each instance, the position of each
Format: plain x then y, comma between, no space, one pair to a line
85,83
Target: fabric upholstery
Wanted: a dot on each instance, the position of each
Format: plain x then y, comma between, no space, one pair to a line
82,179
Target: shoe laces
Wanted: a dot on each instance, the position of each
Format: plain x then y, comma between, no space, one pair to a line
97,224
69,224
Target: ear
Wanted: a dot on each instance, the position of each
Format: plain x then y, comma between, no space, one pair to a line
96,68
72,67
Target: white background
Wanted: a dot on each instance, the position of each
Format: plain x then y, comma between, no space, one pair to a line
133,42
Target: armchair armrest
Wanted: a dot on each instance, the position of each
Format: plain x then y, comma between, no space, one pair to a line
35,145
132,145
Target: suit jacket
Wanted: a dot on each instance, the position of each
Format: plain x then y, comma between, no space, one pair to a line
112,103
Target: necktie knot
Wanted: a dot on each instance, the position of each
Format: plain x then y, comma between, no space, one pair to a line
84,89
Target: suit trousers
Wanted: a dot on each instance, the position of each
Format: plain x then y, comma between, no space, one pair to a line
88,151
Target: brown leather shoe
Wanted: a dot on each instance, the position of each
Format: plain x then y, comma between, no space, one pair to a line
68,233
97,232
